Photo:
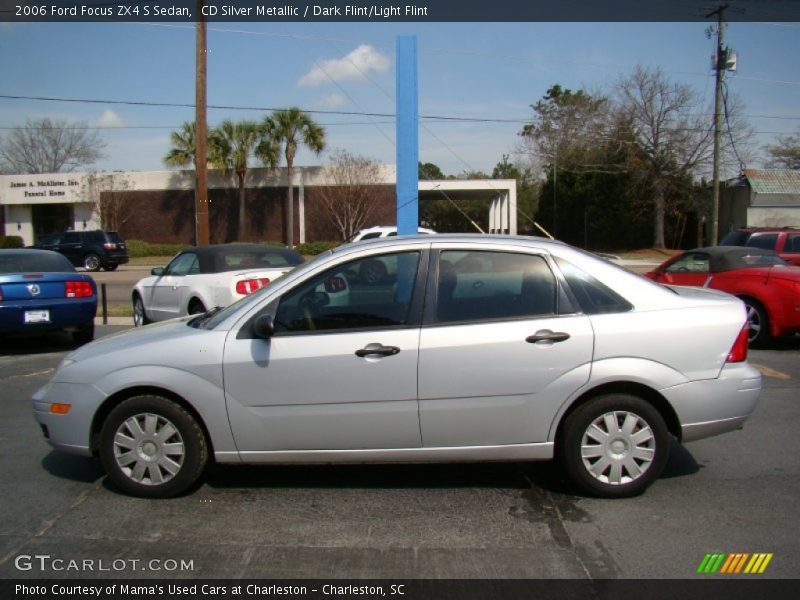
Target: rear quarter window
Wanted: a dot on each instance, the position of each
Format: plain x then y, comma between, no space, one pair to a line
594,297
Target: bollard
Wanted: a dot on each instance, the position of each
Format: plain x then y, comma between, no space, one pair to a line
105,303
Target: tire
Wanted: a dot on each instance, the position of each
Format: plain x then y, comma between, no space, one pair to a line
139,315
153,448
111,267
195,307
84,335
91,262
758,322
372,272
619,465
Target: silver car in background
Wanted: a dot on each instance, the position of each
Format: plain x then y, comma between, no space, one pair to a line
477,348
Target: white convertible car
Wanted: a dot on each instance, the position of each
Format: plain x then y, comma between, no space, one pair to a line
199,279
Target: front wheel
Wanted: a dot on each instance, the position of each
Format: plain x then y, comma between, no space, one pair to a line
614,446
152,447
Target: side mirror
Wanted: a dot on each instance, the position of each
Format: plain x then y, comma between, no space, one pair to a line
264,328
157,271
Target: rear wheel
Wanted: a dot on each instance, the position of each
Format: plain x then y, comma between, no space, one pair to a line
757,322
196,307
152,447
91,262
139,314
111,267
614,446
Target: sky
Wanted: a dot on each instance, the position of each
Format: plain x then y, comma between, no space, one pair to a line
474,70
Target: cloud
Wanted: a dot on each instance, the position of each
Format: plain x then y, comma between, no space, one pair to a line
355,65
110,119
332,100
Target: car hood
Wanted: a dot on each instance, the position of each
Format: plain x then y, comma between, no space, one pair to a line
168,345
134,339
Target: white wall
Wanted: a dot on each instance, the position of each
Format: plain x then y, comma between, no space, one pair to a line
773,217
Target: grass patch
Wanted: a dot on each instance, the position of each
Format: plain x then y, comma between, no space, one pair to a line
150,261
116,310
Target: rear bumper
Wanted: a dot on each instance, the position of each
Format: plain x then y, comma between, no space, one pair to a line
710,407
65,313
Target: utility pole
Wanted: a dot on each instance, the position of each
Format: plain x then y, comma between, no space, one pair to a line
719,67
201,135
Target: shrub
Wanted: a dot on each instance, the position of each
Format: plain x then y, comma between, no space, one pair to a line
315,248
138,248
11,241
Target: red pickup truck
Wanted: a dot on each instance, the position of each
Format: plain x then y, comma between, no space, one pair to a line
785,240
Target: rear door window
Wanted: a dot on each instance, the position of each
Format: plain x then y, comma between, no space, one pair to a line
481,285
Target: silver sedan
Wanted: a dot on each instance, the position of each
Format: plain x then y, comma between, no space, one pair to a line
476,348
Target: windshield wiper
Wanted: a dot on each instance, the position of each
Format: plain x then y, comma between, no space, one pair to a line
201,320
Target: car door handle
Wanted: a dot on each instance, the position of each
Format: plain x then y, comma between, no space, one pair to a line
377,349
545,335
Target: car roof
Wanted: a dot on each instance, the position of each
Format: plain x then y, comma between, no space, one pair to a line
728,258
207,255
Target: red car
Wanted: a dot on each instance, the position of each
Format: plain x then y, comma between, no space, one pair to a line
769,287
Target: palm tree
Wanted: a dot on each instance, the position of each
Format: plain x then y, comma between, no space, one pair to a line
182,152
289,128
230,146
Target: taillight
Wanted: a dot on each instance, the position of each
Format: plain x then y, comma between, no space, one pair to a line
739,351
109,246
248,286
78,289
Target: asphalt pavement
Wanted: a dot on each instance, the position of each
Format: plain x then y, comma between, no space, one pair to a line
733,493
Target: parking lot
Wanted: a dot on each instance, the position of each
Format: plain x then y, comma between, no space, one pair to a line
733,493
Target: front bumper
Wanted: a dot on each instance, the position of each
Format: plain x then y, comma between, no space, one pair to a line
70,432
710,407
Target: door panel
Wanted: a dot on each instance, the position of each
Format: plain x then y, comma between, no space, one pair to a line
340,373
483,384
311,392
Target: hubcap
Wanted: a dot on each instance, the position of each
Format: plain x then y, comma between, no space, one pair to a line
91,263
618,447
149,449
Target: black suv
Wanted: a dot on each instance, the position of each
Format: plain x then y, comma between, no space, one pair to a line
88,249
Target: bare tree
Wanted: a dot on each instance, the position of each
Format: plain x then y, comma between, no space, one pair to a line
350,201
785,154
45,146
673,140
110,205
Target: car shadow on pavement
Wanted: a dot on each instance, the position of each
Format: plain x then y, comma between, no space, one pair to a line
75,468
15,345
681,462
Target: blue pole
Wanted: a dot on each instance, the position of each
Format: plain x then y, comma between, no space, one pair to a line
407,137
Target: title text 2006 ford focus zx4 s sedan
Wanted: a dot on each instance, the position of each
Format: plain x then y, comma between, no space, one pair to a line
475,349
